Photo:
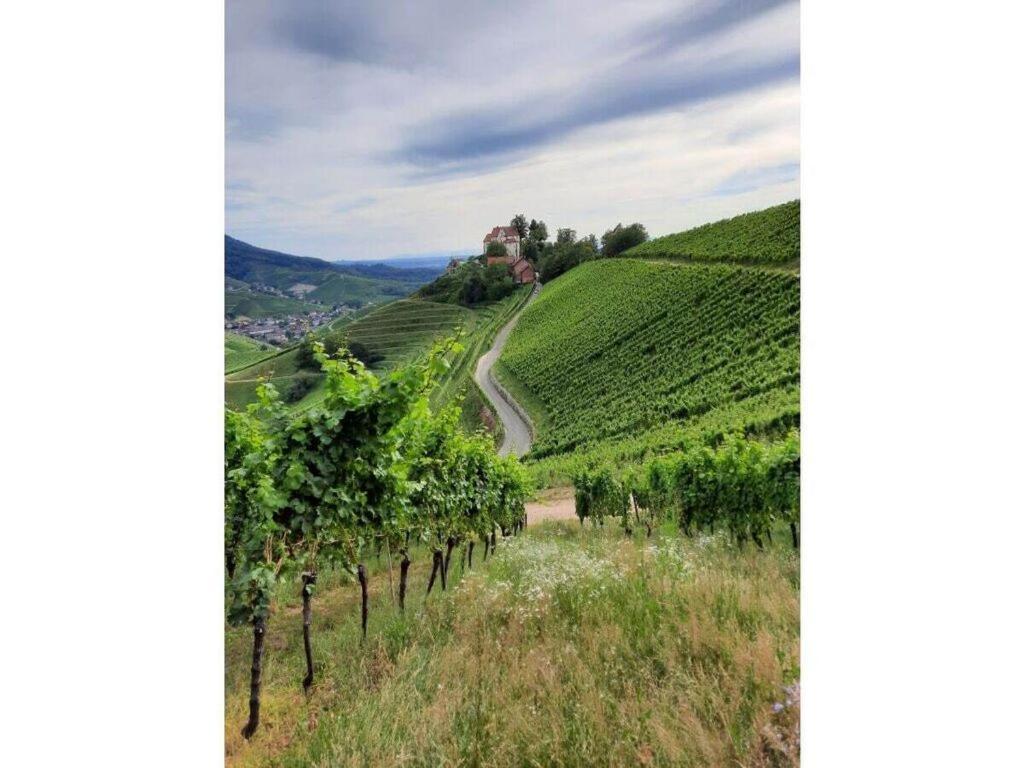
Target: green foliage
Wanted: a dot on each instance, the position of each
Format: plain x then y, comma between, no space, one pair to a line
473,282
743,485
561,257
496,250
660,355
519,222
370,463
241,351
600,494
565,236
771,236
531,251
259,305
538,231
620,238
253,541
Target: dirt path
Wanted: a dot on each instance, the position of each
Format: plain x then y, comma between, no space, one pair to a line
552,504
518,437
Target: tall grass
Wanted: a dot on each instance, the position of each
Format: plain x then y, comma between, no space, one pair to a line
571,646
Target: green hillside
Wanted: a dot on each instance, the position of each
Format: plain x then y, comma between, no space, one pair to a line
256,305
771,236
396,332
404,329
311,284
358,291
621,358
241,351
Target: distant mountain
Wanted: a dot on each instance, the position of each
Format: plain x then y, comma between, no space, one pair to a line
436,262
251,263
250,267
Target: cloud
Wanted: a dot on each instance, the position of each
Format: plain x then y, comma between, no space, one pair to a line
359,130
475,135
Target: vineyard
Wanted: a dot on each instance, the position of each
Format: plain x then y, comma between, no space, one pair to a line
241,351
387,603
371,467
771,236
394,334
404,329
743,486
659,357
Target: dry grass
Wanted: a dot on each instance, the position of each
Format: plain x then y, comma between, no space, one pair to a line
571,647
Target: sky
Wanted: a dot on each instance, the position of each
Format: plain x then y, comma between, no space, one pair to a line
359,130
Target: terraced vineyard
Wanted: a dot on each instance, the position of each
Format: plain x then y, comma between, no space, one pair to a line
656,356
403,329
771,236
397,333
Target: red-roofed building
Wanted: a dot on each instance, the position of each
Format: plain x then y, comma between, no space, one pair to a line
507,236
522,272
520,269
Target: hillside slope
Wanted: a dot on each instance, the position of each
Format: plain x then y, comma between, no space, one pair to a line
315,279
393,334
771,236
622,357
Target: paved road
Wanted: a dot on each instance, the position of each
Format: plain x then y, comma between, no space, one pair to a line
517,432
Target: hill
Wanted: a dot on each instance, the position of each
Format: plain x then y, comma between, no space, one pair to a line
241,351
404,329
316,280
771,236
242,303
392,334
620,358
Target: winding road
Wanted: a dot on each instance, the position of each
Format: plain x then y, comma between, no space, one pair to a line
518,433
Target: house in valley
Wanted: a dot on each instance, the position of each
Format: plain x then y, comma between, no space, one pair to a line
520,269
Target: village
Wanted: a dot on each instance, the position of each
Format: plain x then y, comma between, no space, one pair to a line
287,329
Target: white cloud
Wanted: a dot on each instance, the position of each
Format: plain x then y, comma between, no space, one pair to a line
315,166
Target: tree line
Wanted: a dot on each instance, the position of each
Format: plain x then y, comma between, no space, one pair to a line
370,468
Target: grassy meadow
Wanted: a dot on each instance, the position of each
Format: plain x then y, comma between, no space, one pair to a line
571,646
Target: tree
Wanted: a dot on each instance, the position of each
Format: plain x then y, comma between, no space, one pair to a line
591,240
560,258
538,231
619,239
531,251
474,290
363,353
496,250
519,222
565,236
305,357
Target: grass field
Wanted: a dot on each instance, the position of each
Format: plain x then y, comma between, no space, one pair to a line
655,355
771,236
569,647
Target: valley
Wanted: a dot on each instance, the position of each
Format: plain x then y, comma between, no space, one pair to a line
578,546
